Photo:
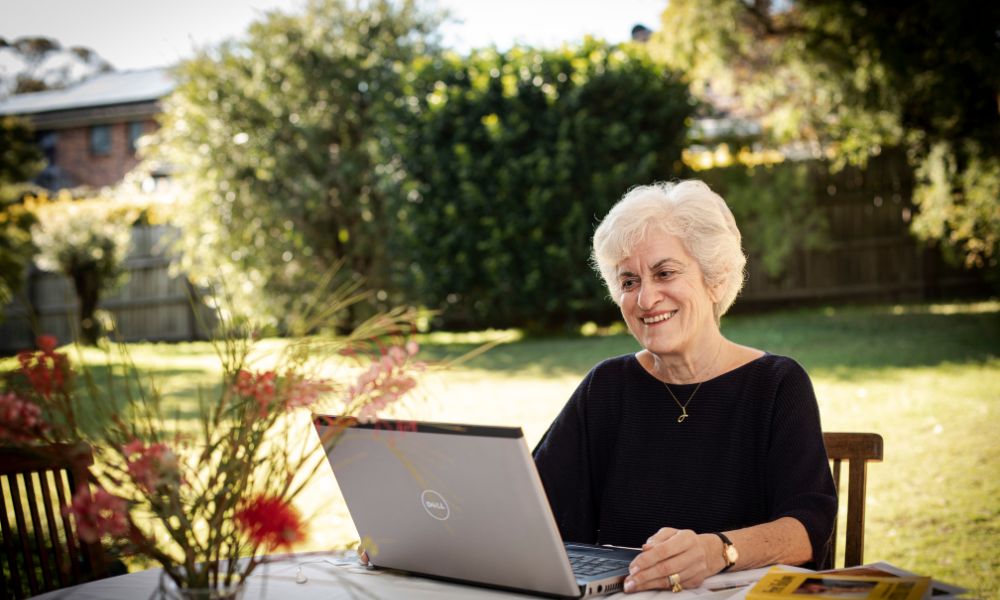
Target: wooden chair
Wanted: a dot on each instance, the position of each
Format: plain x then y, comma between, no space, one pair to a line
41,548
857,449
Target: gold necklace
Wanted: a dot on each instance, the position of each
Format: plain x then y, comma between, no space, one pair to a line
683,407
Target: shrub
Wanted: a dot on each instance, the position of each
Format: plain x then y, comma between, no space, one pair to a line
20,160
279,142
85,240
512,158
775,207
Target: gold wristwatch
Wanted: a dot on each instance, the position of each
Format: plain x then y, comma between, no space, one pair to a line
729,553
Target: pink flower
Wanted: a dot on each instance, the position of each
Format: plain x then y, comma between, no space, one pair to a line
152,466
386,380
301,392
292,390
133,447
270,522
48,371
259,386
98,514
20,420
47,343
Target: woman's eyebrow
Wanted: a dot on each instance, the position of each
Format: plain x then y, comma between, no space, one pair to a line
664,262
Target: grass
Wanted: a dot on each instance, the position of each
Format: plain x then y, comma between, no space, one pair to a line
927,377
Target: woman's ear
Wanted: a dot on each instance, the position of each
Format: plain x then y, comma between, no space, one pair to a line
715,292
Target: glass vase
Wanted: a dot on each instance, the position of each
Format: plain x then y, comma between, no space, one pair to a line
169,590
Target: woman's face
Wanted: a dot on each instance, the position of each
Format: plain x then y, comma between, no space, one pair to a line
663,297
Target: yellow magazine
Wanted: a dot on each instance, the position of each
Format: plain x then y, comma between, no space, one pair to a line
781,585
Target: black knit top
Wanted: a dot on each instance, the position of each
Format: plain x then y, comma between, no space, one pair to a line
617,466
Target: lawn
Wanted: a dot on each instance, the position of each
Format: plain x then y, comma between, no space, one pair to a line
927,377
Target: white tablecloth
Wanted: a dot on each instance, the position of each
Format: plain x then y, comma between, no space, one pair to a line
335,576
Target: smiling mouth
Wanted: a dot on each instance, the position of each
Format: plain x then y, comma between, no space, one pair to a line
659,318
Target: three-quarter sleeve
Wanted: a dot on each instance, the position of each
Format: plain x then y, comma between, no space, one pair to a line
799,483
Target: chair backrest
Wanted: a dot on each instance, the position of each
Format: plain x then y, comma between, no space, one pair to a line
857,449
41,547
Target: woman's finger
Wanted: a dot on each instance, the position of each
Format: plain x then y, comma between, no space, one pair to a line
665,544
664,534
678,554
658,576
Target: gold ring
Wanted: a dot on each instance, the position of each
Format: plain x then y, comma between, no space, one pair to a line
675,583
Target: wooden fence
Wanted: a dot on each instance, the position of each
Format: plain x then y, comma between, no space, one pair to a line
870,253
151,305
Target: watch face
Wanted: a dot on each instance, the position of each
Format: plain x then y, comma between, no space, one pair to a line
731,554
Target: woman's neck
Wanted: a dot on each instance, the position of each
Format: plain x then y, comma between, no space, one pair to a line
700,364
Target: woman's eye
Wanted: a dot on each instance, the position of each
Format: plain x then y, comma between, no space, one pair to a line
666,274
628,284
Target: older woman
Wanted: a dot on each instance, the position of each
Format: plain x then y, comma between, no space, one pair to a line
705,453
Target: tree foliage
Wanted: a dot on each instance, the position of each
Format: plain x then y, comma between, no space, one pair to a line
20,157
35,64
960,203
854,77
775,208
20,160
87,241
512,159
282,139
15,248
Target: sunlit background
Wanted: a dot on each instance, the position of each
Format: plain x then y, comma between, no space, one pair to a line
857,144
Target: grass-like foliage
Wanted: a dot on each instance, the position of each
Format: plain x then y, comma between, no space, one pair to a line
201,471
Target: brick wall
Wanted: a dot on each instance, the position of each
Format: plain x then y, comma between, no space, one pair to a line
74,157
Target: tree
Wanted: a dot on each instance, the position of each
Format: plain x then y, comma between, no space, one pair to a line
31,64
511,160
85,240
853,77
20,160
959,200
34,64
282,141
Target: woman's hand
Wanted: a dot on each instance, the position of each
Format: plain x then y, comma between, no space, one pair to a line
670,551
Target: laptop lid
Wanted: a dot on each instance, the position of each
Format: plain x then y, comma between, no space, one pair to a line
460,502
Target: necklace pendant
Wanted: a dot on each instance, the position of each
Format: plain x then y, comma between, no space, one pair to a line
683,407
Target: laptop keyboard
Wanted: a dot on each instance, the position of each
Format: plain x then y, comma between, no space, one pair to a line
585,564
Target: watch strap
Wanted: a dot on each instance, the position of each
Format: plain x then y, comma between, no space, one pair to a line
726,544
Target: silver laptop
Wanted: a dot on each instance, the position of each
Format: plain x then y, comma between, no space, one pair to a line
462,503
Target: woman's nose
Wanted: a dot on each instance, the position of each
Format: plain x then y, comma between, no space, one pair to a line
647,298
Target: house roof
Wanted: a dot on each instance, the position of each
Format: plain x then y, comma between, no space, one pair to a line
104,89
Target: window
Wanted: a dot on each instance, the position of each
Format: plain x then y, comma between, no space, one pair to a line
135,131
49,141
100,140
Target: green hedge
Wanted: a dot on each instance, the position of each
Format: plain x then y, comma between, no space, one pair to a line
512,159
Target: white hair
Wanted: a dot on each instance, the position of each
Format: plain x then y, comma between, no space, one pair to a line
688,209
